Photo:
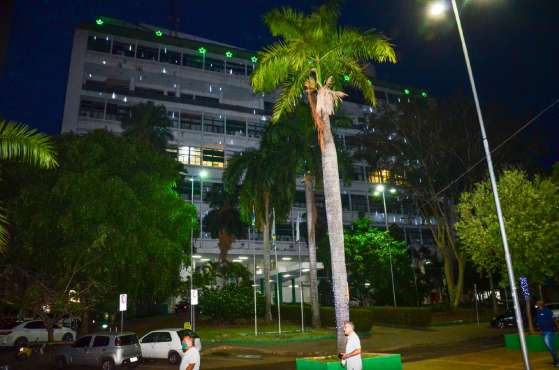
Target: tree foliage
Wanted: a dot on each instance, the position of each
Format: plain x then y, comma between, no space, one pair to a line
368,252
148,124
530,210
107,221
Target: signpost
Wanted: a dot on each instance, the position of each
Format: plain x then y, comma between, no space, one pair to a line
123,305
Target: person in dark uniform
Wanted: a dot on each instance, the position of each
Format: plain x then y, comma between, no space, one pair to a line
548,326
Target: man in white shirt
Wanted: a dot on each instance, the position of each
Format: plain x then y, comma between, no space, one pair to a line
191,357
352,354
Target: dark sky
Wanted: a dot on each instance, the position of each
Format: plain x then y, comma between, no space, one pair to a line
513,45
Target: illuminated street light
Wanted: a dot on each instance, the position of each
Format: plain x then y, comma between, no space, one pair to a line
392,191
436,10
380,188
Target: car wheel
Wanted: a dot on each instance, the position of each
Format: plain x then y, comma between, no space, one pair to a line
500,325
108,365
68,337
173,358
21,342
60,362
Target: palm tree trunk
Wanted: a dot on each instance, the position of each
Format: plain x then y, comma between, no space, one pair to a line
266,263
311,224
333,203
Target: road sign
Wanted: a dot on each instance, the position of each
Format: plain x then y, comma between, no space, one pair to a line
123,302
194,297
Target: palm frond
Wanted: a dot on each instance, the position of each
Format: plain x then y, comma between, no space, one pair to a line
285,22
363,46
19,142
291,93
3,229
274,67
358,79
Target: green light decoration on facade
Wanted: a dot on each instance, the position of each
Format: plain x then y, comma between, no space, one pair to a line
229,54
99,21
369,82
407,91
202,50
346,77
424,94
254,59
158,33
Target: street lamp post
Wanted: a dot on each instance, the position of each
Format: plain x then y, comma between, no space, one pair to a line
382,189
436,10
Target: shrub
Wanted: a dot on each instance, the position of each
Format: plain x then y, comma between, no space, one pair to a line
228,304
363,317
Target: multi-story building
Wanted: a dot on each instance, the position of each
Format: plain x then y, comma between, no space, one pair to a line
205,88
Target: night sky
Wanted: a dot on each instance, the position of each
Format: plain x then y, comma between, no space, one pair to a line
513,45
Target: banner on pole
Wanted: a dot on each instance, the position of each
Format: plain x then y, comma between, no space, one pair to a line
273,224
123,302
524,286
297,231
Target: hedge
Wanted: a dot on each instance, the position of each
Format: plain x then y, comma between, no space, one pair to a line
362,317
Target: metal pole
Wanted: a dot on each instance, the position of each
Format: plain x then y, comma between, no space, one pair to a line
508,259
191,250
278,300
300,278
254,280
121,321
477,309
389,249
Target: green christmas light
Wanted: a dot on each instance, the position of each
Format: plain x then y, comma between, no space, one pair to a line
158,33
346,77
99,21
254,59
202,50
407,91
229,54
424,94
369,82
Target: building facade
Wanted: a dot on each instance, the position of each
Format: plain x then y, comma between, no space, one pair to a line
204,85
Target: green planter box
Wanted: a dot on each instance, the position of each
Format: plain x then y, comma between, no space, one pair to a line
371,361
533,342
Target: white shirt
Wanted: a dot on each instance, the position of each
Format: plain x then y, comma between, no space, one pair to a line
192,356
353,343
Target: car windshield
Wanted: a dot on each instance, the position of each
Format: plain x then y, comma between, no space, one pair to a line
126,340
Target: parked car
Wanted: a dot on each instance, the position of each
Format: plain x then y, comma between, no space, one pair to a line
182,306
19,334
506,320
166,343
102,350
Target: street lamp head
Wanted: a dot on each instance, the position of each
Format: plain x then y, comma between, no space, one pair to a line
376,193
392,191
203,174
437,9
380,188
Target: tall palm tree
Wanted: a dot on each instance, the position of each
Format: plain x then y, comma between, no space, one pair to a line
224,219
148,123
264,182
19,142
313,59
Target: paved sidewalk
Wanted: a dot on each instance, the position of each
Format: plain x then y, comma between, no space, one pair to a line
496,359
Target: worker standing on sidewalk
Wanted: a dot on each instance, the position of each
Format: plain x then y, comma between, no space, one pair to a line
548,326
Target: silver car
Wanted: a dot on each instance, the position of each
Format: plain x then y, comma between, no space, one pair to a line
102,350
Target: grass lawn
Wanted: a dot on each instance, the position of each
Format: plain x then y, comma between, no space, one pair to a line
215,332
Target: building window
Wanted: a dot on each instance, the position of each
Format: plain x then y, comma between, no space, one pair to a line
92,108
236,128
214,123
358,174
379,176
359,203
249,69
375,204
299,199
214,65
189,155
99,43
191,121
170,56
255,129
174,118
213,158
147,52
125,49
195,61
116,112
235,68
345,201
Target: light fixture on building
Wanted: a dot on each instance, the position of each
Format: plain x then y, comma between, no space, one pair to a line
164,70
158,33
99,21
286,275
202,50
89,75
305,270
367,284
125,99
113,96
286,258
104,61
204,259
242,258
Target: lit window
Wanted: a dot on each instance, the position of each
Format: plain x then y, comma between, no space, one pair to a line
213,158
379,176
189,155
